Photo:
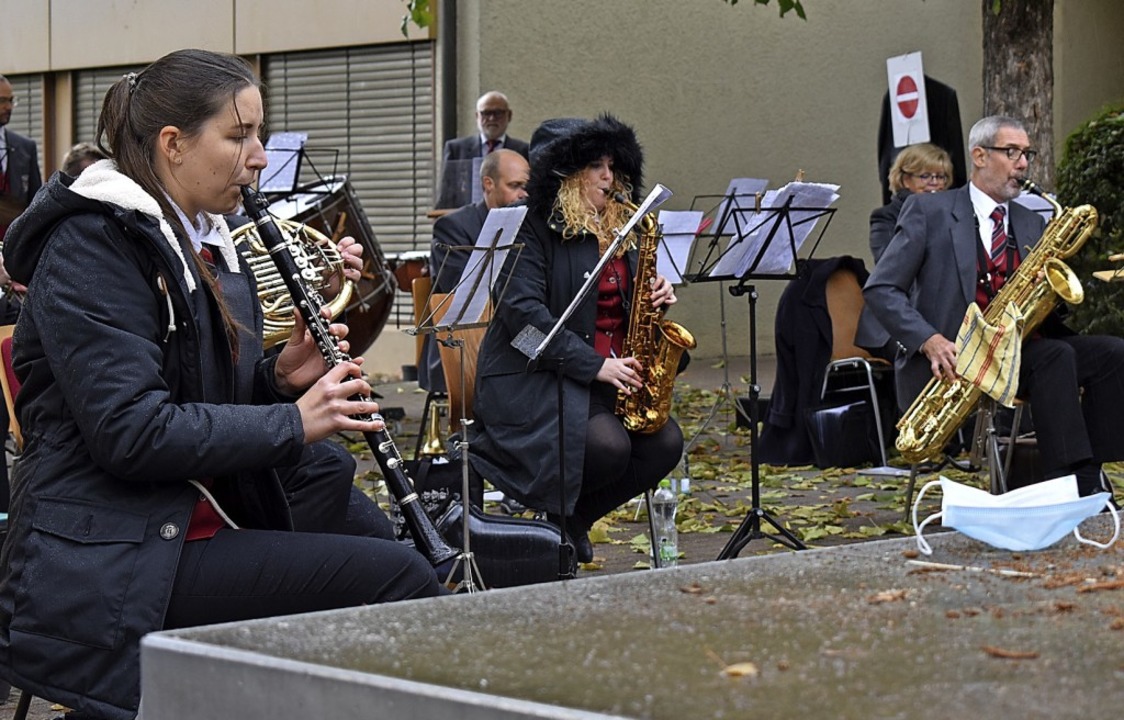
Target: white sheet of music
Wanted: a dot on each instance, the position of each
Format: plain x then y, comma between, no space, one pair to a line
483,266
740,195
741,250
680,228
779,256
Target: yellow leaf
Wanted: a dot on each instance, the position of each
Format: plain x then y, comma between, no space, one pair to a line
742,669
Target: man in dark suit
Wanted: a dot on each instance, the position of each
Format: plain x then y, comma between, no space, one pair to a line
503,175
960,246
20,178
492,117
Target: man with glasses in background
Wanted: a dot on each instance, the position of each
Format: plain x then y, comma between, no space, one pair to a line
461,156
960,246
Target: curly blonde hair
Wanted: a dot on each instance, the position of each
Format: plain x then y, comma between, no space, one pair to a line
578,215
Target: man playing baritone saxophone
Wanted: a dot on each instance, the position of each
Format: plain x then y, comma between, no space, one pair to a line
960,246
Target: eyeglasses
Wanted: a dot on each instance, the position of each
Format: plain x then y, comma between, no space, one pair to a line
13,101
493,114
1014,153
929,177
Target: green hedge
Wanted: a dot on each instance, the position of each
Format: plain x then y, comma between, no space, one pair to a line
1092,172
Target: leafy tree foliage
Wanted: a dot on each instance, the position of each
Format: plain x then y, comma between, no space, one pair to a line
1092,172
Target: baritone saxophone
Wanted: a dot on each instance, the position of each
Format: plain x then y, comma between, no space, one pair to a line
656,342
944,405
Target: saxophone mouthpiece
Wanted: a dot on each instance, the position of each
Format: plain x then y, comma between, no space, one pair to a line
619,197
1029,186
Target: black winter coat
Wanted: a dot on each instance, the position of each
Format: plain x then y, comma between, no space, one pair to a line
516,431
115,422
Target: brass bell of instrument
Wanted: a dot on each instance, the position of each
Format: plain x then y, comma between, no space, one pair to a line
434,444
321,264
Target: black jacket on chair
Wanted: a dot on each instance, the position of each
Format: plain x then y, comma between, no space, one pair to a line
804,342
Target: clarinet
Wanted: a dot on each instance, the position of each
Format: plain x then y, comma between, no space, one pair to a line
297,274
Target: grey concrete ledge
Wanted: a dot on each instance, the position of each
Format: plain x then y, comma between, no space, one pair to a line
857,631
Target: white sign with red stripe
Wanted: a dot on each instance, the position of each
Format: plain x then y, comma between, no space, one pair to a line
909,113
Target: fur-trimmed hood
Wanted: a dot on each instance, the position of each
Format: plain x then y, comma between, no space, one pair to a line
562,146
99,188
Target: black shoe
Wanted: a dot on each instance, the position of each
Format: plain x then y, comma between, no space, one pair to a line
579,536
511,506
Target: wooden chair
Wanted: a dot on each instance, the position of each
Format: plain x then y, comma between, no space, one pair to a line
855,367
10,384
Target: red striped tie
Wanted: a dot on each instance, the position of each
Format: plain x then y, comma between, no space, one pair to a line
998,236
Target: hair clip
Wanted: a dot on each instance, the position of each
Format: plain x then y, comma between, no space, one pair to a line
132,80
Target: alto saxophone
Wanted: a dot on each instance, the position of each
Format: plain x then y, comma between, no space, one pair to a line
657,343
944,405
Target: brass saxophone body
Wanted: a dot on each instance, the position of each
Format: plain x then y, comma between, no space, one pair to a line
944,405
656,342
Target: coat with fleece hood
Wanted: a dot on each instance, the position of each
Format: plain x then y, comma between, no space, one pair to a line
115,419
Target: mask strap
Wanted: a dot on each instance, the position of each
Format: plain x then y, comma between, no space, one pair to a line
1115,531
922,543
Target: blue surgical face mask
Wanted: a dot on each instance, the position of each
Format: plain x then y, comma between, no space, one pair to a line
1030,518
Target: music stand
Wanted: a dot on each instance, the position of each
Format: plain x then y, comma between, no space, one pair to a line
730,210
461,309
766,248
532,342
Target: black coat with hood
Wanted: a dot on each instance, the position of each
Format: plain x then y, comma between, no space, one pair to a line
116,420
515,442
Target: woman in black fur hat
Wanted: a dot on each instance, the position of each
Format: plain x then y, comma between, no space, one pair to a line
578,167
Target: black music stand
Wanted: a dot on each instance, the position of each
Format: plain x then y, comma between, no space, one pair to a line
766,234
730,211
463,309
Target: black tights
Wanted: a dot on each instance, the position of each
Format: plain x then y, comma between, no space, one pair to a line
619,465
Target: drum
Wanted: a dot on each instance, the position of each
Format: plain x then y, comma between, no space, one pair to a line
332,207
408,266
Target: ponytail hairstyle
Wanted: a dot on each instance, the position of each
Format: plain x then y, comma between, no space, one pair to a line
184,89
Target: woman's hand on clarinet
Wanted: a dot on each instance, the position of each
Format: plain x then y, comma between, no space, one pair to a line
663,293
621,373
328,406
301,363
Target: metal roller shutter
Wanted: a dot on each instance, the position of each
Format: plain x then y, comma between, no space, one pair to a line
90,87
374,107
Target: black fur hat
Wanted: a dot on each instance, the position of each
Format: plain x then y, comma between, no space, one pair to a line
561,146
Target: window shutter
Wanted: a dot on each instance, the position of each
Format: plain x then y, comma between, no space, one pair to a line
90,87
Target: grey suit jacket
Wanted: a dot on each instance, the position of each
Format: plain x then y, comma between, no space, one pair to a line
454,189
934,253
23,167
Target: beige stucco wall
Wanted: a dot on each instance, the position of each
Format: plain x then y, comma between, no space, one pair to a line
1088,62
716,92
41,35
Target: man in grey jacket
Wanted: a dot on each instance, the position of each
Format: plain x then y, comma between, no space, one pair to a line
956,247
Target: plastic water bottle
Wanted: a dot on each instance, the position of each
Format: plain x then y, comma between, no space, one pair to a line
666,540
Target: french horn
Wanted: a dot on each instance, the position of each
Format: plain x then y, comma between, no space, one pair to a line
321,267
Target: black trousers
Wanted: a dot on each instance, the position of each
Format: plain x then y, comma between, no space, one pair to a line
246,574
1075,386
619,464
322,495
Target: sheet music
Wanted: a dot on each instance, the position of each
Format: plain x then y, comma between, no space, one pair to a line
283,154
740,195
755,228
1037,204
483,266
779,256
679,230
